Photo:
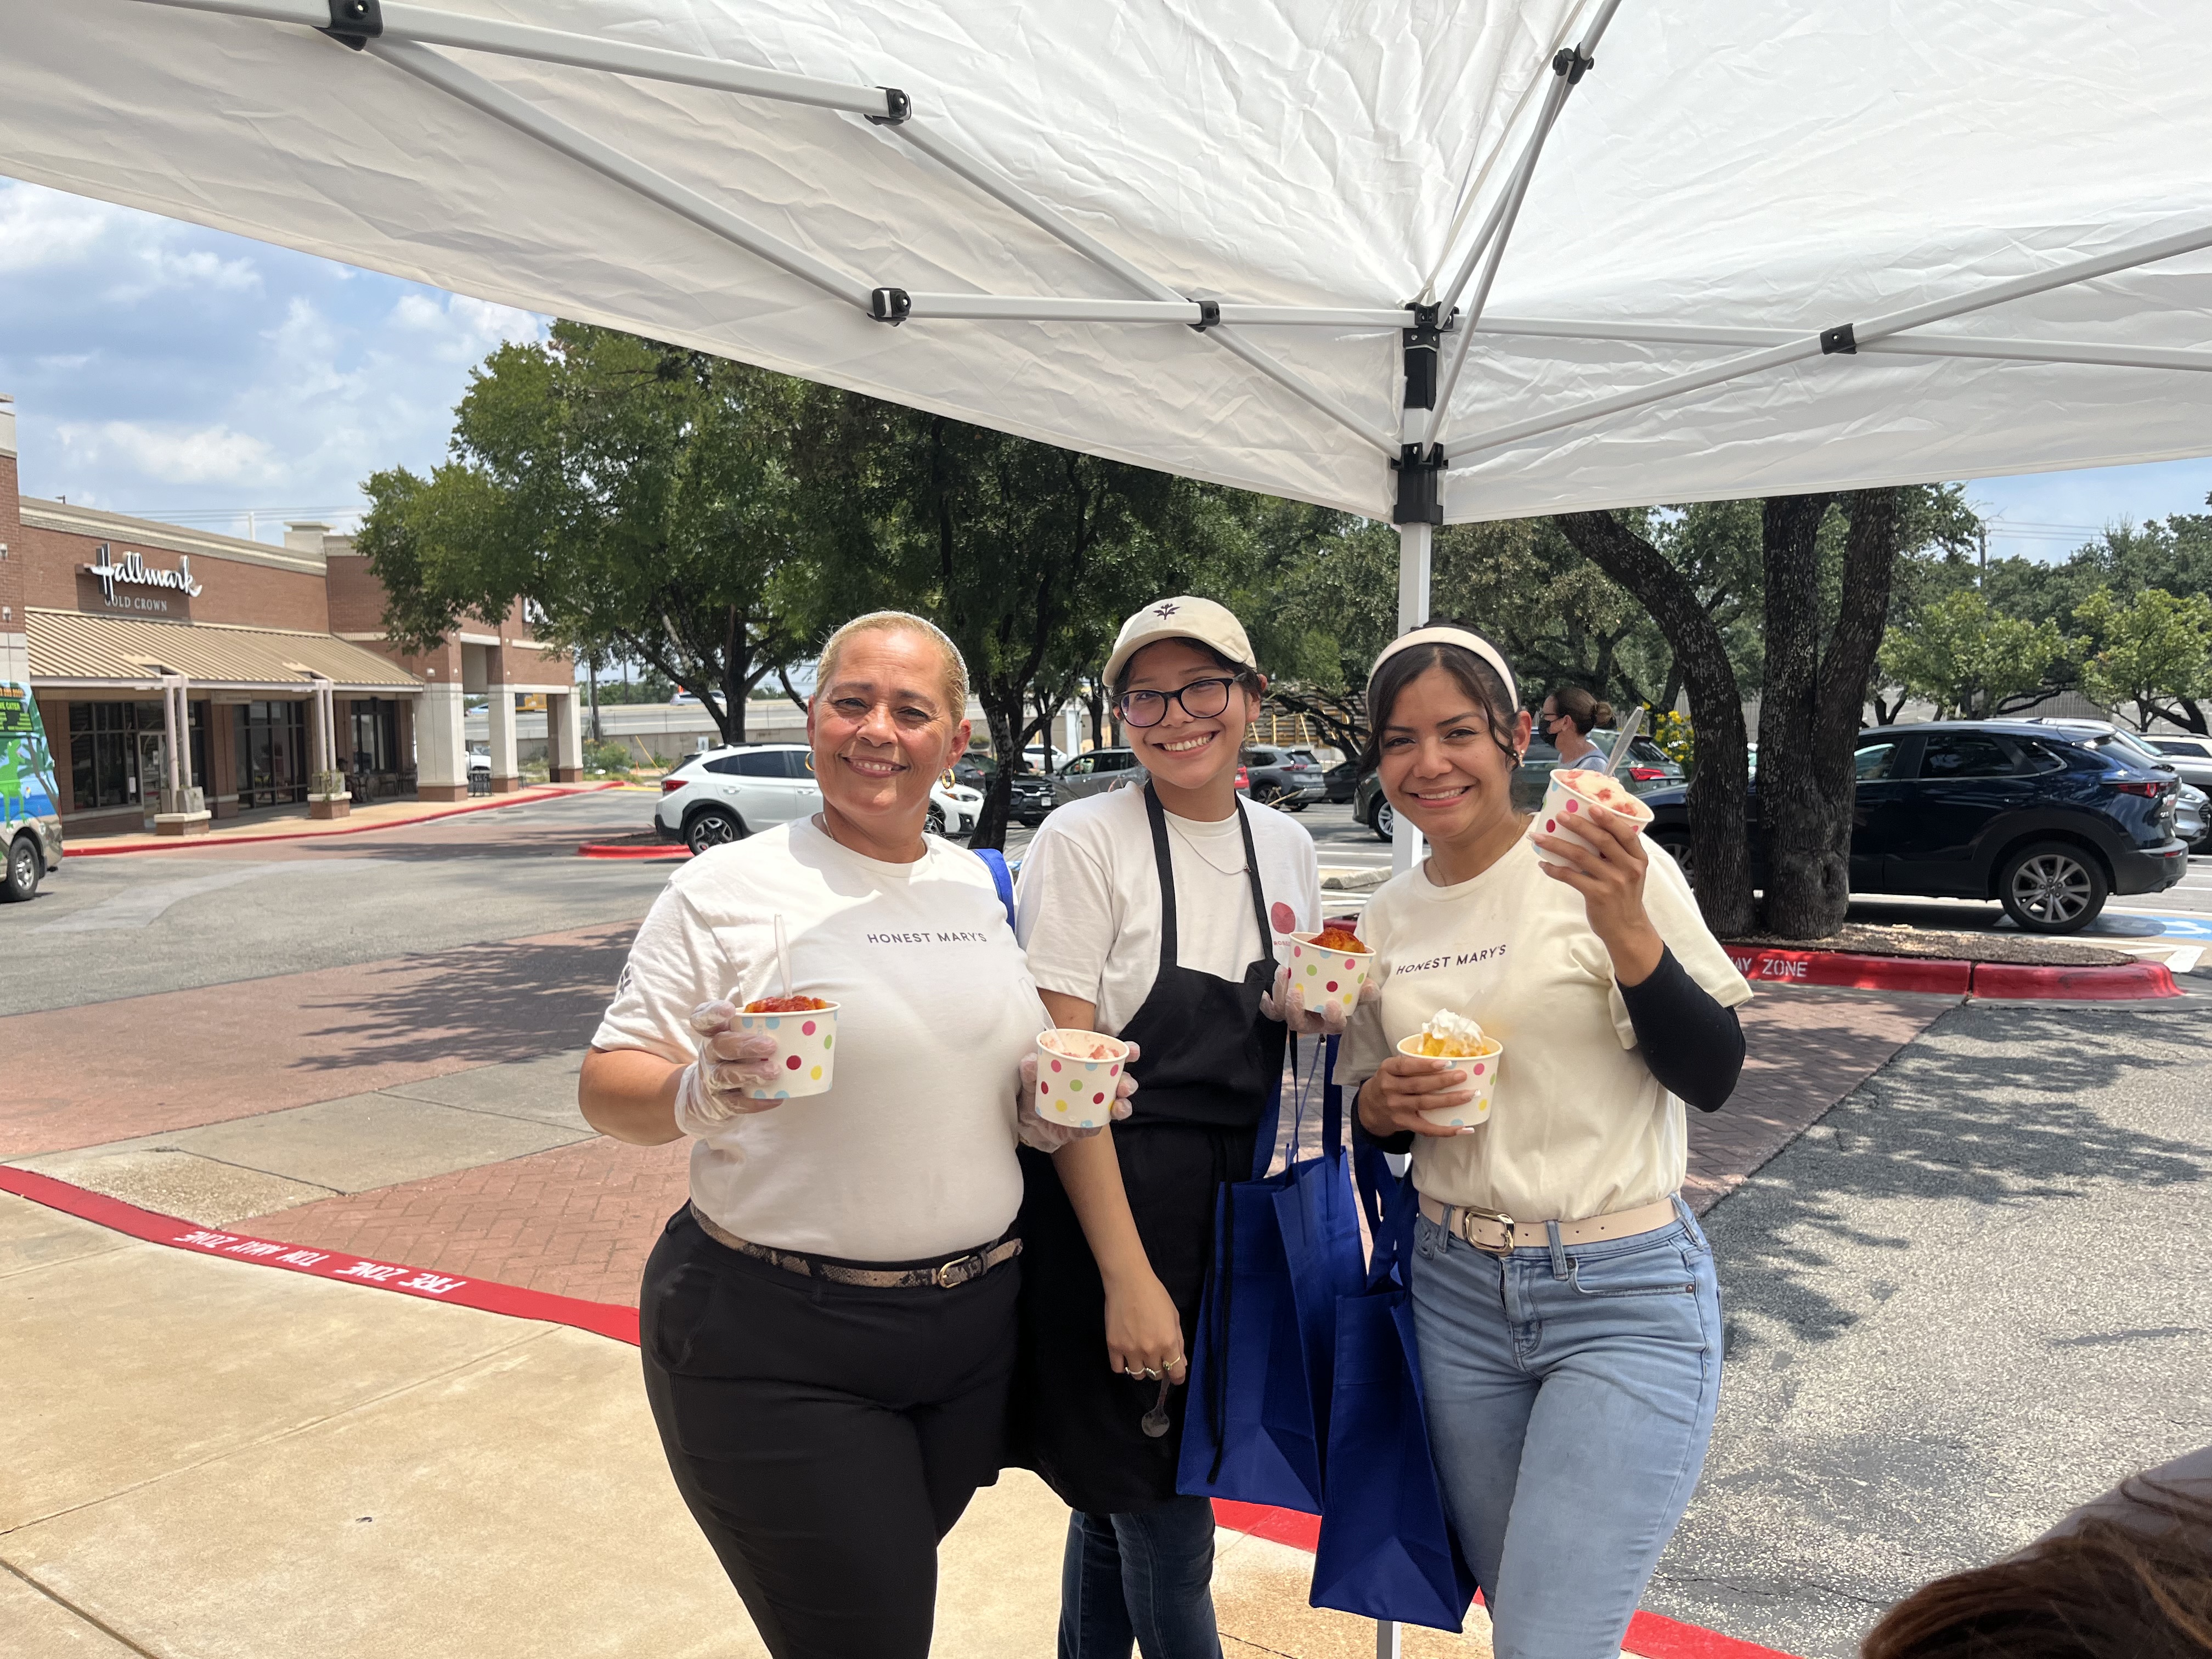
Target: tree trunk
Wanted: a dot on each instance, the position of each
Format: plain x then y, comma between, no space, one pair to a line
1814,702
1720,852
1002,710
1808,875
1094,699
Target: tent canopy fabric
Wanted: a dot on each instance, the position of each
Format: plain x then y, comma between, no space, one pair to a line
1059,186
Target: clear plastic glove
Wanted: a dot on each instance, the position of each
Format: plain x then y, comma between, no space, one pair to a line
731,1062
1287,1003
1045,1137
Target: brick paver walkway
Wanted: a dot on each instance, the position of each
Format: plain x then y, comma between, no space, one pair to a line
1804,1051
581,1220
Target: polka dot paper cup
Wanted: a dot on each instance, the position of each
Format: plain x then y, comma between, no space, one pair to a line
1571,796
1322,978
1481,1071
1073,1091
806,1051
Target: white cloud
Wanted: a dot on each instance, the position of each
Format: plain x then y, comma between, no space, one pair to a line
165,454
43,227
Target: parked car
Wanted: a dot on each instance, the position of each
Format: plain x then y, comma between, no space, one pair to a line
2191,814
1340,783
2191,757
1649,768
2048,820
1096,772
1288,778
30,822
1033,795
726,794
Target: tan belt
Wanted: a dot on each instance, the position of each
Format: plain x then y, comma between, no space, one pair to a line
973,1264
1497,1233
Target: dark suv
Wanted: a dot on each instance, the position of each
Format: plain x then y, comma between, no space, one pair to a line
2047,823
1288,778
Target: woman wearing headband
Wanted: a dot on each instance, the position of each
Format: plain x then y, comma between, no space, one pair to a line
1149,914
1564,1300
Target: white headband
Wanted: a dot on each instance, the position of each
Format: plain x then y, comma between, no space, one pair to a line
1466,639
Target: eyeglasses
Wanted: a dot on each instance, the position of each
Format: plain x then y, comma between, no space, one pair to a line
1201,699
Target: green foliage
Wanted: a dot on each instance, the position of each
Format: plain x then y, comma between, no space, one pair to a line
1673,734
637,499
1958,652
2151,651
608,757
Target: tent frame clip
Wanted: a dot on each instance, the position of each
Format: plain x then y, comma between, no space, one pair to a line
1420,344
1420,480
898,106
1573,63
891,304
355,23
1209,313
1838,340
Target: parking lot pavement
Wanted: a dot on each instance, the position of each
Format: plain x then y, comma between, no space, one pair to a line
1970,1297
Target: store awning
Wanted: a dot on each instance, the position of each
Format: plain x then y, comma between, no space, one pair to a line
69,648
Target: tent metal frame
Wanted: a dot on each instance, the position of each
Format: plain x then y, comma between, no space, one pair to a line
402,34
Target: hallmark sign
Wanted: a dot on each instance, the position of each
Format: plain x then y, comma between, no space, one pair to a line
132,572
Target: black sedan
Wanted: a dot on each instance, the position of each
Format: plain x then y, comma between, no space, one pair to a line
1033,796
2046,822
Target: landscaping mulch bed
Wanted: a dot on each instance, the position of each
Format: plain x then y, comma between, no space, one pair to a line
1868,939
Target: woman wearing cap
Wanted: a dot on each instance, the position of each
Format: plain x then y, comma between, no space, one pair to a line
1568,717
1149,914
827,1326
1563,1299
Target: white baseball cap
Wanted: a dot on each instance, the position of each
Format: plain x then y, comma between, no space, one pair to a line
1183,618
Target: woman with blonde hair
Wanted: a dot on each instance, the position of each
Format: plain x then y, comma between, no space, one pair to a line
828,1325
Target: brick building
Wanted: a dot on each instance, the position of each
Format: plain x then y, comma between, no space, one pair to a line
182,676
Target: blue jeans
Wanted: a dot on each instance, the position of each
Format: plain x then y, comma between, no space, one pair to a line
1145,1577
1570,1393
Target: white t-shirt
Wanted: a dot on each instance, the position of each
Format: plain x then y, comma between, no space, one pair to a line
1579,1126
1089,906
910,1153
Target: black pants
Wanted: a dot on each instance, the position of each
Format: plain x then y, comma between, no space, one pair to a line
826,1436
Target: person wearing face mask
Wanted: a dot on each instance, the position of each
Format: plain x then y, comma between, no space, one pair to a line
1568,717
1150,914
1565,1302
827,1326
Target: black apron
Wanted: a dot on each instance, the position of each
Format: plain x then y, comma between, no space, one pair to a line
1211,1062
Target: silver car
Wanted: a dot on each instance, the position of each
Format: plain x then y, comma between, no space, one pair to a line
2192,807
1096,772
2191,757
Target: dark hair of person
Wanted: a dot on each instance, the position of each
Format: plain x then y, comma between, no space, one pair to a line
1474,676
1247,678
1586,711
2109,1588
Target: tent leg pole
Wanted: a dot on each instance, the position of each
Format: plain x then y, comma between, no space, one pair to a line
1416,543
1386,1638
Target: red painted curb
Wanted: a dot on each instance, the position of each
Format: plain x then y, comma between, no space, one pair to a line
600,1318
1765,964
1649,1634
600,849
1993,981
2137,979
192,844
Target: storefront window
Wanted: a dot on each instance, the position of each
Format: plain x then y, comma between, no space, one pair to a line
102,770
272,753
106,748
375,735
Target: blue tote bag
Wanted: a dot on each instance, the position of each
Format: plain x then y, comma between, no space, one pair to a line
1387,1548
1285,1250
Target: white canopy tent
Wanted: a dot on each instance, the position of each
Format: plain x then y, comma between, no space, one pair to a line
1751,248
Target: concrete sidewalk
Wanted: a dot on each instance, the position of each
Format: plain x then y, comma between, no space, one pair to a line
207,1460
292,823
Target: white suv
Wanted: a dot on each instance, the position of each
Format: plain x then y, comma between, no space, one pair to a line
726,794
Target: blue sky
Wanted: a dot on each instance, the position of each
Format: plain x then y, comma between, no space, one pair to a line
184,374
